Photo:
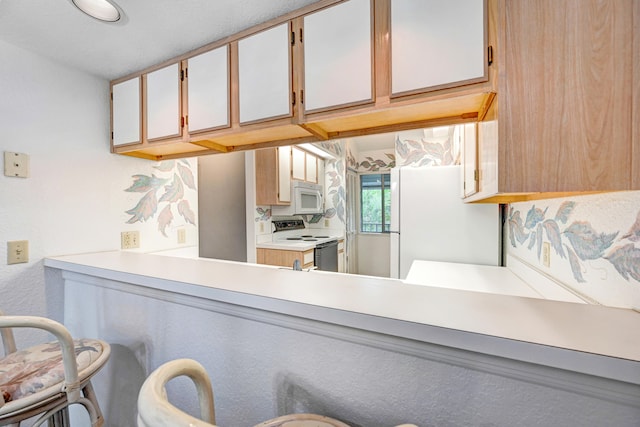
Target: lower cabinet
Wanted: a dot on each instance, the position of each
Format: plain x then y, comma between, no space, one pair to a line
285,258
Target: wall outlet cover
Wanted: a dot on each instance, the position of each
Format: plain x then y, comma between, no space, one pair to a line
17,251
130,240
16,164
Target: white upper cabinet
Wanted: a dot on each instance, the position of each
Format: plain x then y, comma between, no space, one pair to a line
284,174
208,90
338,55
264,76
126,112
163,103
436,43
298,164
312,168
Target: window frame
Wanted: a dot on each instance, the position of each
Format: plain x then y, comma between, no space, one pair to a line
385,187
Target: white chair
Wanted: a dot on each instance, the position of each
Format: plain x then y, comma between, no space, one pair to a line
154,410
47,378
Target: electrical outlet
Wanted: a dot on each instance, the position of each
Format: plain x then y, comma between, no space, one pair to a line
130,239
182,236
546,254
326,222
17,251
261,227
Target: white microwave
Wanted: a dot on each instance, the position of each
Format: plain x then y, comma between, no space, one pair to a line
306,199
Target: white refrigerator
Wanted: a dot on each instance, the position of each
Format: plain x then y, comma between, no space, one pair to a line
429,221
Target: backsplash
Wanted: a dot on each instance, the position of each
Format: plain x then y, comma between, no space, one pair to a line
594,243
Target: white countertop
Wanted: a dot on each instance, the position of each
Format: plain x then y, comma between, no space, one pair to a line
291,245
483,278
502,325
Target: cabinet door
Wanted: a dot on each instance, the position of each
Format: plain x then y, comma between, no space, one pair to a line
284,174
298,164
264,81
466,136
125,110
163,103
436,43
208,90
311,163
337,55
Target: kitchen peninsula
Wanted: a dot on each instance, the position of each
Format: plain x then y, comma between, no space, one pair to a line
308,340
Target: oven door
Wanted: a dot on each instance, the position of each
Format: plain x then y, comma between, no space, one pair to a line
326,256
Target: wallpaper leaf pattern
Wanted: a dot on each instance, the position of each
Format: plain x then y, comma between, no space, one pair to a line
577,242
411,152
171,192
335,172
264,214
374,165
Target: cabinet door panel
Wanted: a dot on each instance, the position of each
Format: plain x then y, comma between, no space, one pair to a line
208,82
163,102
436,42
298,164
284,174
126,112
337,55
312,168
264,77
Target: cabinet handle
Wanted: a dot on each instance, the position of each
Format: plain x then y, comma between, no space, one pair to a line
490,55
293,99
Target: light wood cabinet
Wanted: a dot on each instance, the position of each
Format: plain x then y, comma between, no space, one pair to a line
208,90
565,114
285,258
304,165
338,62
436,44
273,176
264,78
163,103
126,112
321,72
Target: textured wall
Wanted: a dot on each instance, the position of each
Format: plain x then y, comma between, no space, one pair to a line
263,365
74,200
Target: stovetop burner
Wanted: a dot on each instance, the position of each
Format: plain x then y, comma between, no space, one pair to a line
310,240
294,238
321,237
306,235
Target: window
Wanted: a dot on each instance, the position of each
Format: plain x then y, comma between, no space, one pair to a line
375,203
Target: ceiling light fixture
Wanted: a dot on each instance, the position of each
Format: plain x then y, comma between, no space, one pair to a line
103,10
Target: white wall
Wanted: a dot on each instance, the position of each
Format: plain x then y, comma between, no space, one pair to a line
74,200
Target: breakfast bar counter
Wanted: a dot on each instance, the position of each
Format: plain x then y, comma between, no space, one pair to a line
571,346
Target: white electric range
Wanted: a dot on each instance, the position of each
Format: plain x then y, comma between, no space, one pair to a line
292,235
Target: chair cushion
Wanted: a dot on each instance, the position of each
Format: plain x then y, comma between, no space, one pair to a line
29,371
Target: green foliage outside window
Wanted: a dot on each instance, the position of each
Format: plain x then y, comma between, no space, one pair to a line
375,203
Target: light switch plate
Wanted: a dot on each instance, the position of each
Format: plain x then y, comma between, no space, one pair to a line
16,164
17,251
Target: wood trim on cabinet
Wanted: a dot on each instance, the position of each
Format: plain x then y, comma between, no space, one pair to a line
635,106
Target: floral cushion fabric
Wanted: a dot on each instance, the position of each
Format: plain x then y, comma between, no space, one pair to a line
37,368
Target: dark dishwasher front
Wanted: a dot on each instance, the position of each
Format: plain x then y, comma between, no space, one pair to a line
326,256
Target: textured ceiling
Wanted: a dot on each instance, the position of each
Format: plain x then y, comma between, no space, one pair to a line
151,32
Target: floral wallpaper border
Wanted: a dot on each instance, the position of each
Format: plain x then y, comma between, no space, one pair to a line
576,241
